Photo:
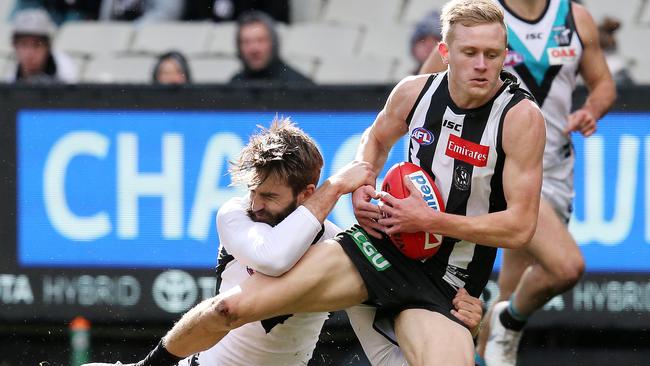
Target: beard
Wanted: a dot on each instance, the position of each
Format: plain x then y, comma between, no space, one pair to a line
272,218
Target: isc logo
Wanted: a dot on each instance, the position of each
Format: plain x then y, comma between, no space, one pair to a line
426,189
422,136
534,36
453,125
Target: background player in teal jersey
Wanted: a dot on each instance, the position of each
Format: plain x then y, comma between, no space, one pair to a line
549,43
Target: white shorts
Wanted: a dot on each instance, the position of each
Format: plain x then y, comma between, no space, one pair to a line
557,184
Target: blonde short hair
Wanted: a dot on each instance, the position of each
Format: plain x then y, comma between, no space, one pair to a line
470,13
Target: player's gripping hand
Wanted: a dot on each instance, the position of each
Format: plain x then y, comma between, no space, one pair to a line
366,212
583,121
468,309
406,215
352,176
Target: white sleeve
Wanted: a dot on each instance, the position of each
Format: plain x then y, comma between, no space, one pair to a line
379,350
271,250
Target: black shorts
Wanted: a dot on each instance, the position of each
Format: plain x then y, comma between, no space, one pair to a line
395,282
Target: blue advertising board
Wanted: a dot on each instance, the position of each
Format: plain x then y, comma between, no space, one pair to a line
141,189
136,189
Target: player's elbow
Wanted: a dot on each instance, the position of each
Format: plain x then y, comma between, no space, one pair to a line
273,269
273,266
523,234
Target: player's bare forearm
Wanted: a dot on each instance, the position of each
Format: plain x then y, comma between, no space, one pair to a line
352,176
372,150
593,66
191,334
505,229
323,201
601,97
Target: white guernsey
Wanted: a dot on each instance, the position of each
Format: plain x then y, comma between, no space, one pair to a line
248,247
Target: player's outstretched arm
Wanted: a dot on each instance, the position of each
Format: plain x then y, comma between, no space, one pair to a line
352,176
524,136
376,142
274,250
595,72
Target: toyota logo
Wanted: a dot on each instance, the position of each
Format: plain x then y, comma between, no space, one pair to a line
174,291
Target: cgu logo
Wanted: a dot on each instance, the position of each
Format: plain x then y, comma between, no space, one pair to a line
422,136
612,226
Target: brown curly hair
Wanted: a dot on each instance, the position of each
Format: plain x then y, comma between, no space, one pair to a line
283,150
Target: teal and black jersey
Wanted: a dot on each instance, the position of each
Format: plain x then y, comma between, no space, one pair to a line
545,55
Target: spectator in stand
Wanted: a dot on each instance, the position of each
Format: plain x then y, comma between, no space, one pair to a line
425,37
61,11
36,62
142,10
257,46
172,68
615,61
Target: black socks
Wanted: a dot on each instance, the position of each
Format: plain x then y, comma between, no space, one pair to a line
509,322
159,356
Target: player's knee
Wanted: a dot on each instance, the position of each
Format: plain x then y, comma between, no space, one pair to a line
570,271
224,314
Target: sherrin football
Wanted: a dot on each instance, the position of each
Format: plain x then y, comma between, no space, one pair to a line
420,245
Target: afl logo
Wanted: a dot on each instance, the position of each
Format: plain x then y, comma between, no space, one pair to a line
422,136
513,58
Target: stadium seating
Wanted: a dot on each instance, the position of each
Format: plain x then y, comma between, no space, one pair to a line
305,10
320,40
416,9
6,6
644,16
354,70
362,12
81,38
626,11
5,39
213,70
323,30
110,69
222,39
186,37
404,68
389,41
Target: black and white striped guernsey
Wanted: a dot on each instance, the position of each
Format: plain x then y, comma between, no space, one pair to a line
461,149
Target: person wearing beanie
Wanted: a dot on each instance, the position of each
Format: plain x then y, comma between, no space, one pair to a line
257,48
36,62
425,37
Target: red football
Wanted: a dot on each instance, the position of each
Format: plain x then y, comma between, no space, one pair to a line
420,245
